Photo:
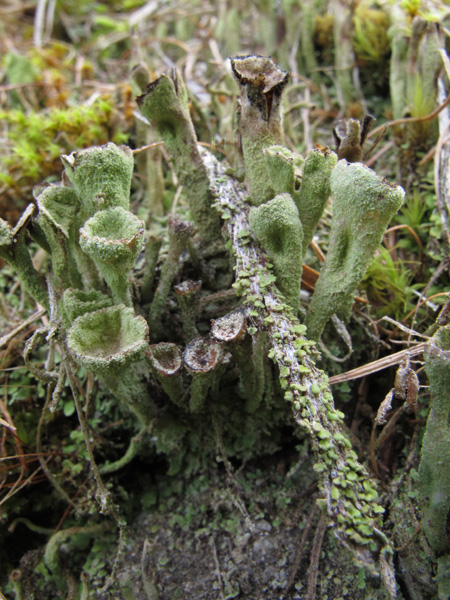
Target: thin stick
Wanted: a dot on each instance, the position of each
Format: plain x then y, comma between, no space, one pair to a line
148,147
378,365
429,117
413,233
301,548
12,334
314,561
39,448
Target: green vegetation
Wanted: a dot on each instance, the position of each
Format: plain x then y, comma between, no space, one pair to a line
194,252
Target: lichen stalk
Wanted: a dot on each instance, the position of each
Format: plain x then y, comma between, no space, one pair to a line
261,85
179,233
148,163
187,296
58,217
276,225
344,56
13,250
152,248
364,203
434,470
165,105
348,494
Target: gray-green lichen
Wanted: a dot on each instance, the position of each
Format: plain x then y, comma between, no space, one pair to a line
261,85
348,495
111,344
113,239
107,340
14,250
306,180
276,225
434,470
165,105
76,302
101,176
58,217
363,205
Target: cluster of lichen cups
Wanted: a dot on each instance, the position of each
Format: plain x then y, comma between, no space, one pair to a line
93,238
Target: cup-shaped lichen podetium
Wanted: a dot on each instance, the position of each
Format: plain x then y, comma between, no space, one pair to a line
108,340
231,331
201,357
59,208
363,205
113,239
167,362
101,176
261,84
78,302
111,343
277,227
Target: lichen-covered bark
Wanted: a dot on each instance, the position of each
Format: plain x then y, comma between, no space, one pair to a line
349,495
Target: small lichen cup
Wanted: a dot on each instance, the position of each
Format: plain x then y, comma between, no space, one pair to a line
79,302
113,239
111,343
59,208
101,176
167,363
202,357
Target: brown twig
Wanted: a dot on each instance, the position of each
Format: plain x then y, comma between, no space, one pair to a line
413,233
314,560
12,334
378,365
301,548
395,122
147,147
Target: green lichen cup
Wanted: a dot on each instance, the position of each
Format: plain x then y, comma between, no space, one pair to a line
113,238
59,208
111,344
79,302
363,205
101,176
108,340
